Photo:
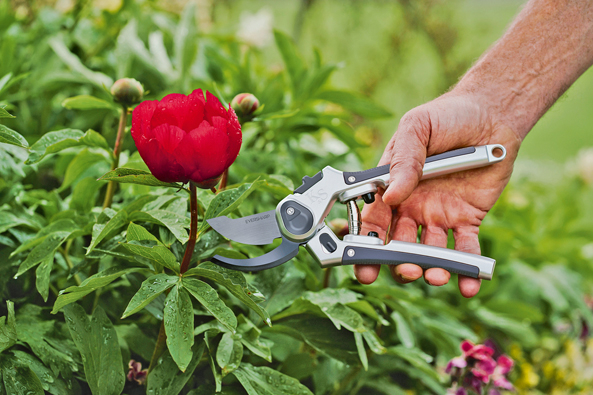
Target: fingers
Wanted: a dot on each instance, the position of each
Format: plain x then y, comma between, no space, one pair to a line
437,237
466,240
405,229
376,217
406,153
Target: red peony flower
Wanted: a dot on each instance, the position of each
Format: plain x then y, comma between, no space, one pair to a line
186,138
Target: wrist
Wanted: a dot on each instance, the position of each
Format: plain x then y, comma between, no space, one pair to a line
506,102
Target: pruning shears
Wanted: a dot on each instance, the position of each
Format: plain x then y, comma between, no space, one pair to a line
299,220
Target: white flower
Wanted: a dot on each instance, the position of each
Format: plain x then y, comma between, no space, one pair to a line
585,164
256,29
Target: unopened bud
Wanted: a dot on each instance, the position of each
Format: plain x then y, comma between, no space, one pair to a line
127,91
244,104
339,226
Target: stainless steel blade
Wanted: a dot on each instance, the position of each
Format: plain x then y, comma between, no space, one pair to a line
256,229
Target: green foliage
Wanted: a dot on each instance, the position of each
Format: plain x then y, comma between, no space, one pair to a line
293,329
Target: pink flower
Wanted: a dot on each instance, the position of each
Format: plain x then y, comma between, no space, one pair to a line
457,362
136,373
483,369
479,351
503,366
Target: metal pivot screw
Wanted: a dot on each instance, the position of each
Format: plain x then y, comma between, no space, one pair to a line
290,211
350,253
351,179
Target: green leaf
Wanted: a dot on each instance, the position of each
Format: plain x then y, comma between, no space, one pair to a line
250,337
261,380
50,381
227,201
19,379
45,250
139,233
84,194
209,298
176,223
97,342
233,280
154,252
404,332
179,326
53,142
73,62
61,227
86,102
185,42
137,341
99,280
47,340
362,352
79,165
149,290
4,113
8,335
42,275
166,379
9,220
356,103
229,353
9,136
135,176
110,222
292,58
320,334
521,331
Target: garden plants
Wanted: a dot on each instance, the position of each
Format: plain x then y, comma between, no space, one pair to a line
122,131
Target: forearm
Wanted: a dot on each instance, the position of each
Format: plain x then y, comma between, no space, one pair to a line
548,46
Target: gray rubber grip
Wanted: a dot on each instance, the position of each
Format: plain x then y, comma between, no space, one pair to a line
359,176
369,256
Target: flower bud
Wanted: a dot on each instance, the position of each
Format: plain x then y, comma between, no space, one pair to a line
244,104
339,226
127,91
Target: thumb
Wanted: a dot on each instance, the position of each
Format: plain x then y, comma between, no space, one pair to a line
407,153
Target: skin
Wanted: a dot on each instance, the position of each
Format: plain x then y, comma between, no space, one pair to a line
498,101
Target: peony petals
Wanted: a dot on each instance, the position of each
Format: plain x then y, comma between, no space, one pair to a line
141,117
168,136
235,136
214,108
162,165
210,147
186,137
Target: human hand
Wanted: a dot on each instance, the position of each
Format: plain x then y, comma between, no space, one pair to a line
457,201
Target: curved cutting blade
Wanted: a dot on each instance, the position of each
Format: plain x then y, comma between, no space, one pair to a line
283,253
257,229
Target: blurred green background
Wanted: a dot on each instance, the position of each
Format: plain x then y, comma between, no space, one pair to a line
402,67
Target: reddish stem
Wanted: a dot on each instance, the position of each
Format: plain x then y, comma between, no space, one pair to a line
193,230
223,182
123,120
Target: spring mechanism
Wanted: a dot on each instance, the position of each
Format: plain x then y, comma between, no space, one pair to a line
354,218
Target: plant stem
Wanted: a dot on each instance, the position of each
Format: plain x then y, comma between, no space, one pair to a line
191,243
123,120
189,250
64,252
223,182
159,347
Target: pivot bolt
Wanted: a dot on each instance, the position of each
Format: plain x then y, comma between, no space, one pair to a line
350,252
351,179
290,211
